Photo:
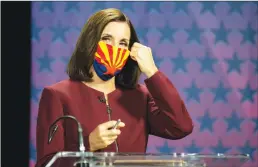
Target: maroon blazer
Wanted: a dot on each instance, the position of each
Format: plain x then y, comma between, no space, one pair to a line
155,109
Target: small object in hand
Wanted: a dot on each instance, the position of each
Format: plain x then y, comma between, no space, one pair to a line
118,121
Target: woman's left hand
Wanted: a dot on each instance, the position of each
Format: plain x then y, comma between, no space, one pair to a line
143,56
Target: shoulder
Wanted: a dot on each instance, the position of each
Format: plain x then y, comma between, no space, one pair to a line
61,88
142,89
63,85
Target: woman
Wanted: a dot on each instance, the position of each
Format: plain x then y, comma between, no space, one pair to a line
103,87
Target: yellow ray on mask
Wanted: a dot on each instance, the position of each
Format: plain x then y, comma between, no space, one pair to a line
104,49
126,54
101,60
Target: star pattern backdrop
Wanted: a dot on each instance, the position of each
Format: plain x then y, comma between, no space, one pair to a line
209,50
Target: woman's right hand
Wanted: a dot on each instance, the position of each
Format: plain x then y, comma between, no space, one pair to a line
102,136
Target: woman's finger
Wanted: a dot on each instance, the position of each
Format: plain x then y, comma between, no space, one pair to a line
109,138
133,55
112,132
137,45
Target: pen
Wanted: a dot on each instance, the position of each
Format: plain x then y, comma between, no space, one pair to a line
118,121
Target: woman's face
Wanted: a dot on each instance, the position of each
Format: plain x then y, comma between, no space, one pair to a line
116,34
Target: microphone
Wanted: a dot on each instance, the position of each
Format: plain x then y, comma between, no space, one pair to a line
109,111
102,99
53,128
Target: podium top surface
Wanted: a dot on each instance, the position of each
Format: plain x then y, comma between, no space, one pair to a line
69,159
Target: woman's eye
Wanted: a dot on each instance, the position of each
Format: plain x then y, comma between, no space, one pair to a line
124,44
105,39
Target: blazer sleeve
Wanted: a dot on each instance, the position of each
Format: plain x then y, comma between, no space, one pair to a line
167,113
50,108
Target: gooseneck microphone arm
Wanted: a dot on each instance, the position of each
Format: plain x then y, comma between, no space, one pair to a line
53,128
109,111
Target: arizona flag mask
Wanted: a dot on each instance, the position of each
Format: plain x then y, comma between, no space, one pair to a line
109,60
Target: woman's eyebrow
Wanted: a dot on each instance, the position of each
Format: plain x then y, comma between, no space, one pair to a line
125,39
108,35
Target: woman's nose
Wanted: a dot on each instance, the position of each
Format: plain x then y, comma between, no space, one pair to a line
116,44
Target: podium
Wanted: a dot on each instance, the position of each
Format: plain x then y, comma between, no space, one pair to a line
92,159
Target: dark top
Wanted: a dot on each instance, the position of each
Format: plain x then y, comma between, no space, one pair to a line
155,109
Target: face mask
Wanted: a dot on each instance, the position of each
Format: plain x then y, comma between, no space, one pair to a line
109,60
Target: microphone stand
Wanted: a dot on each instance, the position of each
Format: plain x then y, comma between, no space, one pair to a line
53,128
